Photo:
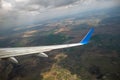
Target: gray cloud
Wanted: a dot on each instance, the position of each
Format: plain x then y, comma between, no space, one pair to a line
37,4
27,12
0,4
55,3
45,4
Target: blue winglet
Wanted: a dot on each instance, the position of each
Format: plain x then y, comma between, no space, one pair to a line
85,40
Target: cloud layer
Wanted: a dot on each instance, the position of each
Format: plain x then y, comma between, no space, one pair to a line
24,12
41,5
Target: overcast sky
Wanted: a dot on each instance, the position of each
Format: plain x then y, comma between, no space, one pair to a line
20,12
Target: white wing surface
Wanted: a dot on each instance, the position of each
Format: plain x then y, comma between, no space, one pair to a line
18,51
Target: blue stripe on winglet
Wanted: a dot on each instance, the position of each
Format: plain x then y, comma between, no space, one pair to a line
85,40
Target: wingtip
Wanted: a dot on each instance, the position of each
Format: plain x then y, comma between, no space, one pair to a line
85,40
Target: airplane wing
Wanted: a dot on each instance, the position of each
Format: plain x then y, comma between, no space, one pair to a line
18,51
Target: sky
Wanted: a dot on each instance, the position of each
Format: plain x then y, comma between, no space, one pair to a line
24,12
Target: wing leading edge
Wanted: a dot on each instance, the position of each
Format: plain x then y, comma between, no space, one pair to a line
11,52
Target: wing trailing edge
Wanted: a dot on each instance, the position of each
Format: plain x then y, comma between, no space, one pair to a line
11,52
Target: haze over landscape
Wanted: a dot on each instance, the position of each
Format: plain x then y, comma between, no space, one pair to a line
48,22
